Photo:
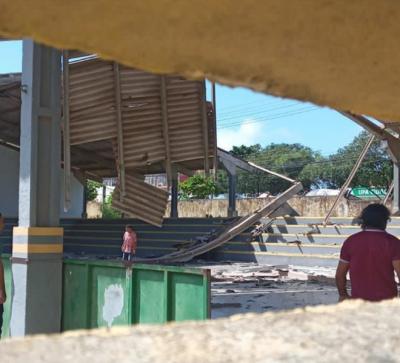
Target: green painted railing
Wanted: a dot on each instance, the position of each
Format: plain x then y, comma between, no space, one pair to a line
103,293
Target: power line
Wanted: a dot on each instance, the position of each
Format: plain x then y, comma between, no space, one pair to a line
273,117
255,110
267,160
264,111
286,168
348,155
245,104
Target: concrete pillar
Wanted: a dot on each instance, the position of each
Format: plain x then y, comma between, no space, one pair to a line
232,194
38,241
396,190
174,194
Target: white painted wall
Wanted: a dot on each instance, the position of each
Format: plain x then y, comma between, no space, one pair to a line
76,208
9,178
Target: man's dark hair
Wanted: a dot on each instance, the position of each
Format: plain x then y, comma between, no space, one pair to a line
375,216
129,226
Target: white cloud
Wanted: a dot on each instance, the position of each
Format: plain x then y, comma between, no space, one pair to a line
251,132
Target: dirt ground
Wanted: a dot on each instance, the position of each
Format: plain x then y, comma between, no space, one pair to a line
248,287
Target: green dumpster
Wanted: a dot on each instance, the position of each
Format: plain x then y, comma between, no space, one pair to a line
99,293
104,294
7,306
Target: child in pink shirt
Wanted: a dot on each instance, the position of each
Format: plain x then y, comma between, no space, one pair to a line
129,243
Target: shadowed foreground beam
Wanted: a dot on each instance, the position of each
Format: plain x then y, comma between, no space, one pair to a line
362,331
340,53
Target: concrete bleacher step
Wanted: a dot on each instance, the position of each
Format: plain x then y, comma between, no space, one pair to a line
325,230
104,237
288,243
349,221
314,238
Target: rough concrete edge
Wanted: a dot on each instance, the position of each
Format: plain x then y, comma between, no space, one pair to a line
348,305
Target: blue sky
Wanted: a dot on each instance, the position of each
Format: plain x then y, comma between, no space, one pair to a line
246,117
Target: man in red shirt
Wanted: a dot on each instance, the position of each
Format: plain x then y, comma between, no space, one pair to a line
372,256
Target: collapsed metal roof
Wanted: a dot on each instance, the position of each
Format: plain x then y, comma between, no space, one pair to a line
93,120
125,123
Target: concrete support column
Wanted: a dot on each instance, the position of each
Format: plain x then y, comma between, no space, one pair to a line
38,241
396,189
174,194
232,194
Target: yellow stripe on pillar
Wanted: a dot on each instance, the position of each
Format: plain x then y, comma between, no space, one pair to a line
38,231
37,248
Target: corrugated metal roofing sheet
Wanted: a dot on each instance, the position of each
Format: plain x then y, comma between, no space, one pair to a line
150,119
165,120
142,200
92,101
93,115
141,118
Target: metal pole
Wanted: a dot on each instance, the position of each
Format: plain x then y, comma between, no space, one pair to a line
232,195
350,177
103,200
174,194
205,128
120,136
214,103
390,190
84,206
66,133
164,106
396,189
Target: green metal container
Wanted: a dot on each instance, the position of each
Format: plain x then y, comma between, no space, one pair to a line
104,294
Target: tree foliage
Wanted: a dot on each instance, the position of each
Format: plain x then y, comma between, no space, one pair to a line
108,212
376,169
91,189
310,167
197,187
287,159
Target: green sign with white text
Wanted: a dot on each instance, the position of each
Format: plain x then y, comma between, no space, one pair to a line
368,193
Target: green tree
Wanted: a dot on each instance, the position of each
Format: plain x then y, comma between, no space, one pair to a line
312,169
376,169
287,159
108,212
91,189
221,181
246,152
197,187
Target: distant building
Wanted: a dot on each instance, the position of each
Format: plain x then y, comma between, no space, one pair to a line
157,180
323,193
160,180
